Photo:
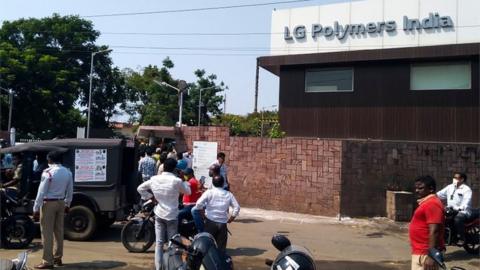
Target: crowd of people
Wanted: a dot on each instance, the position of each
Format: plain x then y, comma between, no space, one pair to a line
167,176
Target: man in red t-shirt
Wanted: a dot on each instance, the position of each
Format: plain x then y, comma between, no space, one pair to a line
427,224
189,201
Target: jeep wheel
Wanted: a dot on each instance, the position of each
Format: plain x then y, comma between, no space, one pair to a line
80,223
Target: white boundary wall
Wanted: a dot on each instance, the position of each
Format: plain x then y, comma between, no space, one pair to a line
465,15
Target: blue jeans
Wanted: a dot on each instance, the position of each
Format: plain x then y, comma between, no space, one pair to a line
185,213
197,218
164,230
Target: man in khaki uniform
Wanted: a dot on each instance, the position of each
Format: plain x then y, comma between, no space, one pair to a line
53,200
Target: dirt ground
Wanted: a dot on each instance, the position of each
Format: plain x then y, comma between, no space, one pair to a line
375,244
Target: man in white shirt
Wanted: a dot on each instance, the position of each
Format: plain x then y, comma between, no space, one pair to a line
220,162
216,202
459,197
164,189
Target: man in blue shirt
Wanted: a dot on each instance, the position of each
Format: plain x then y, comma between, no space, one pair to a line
53,201
147,165
182,164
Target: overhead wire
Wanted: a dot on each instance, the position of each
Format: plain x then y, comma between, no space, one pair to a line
195,9
210,33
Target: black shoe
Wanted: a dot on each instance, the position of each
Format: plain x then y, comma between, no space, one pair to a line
57,262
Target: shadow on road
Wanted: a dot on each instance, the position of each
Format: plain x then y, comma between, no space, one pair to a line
461,255
245,251
94,265
253,264
248,220
110,234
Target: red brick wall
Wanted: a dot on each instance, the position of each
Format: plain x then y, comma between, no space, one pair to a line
369,166
290,174
325,177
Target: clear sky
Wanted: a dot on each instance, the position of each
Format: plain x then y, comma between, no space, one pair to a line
236,67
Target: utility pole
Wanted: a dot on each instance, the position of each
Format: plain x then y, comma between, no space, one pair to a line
256,88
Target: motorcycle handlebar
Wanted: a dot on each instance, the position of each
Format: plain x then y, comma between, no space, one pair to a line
180,244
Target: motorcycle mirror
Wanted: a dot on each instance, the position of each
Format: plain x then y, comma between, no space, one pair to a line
280,242
437,257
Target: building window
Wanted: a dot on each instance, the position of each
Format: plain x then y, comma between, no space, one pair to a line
329,80
441,76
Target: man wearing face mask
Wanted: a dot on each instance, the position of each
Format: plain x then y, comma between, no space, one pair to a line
459,197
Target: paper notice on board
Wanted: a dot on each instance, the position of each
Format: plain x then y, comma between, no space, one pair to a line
204,154
90,165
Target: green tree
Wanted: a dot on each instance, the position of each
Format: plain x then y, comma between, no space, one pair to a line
47,64
251,124
152,104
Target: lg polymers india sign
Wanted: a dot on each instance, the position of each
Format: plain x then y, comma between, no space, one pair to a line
341,31
374,24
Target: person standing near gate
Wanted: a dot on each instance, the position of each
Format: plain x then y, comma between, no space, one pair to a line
164,190
52,202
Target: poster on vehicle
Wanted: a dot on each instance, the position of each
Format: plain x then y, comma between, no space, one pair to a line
90,165
204,154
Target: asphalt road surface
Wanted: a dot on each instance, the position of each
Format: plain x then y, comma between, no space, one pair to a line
347,244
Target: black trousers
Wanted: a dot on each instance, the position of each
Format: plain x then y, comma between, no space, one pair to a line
219,232
459,220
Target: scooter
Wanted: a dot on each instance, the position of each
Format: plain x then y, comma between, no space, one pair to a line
17,229
20,263
138,235
203,253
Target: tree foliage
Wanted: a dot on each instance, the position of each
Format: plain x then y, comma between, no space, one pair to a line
47,64
251,124
154,104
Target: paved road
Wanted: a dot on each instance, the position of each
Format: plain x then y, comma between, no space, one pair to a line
347,244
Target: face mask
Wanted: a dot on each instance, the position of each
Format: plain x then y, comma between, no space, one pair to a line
455,181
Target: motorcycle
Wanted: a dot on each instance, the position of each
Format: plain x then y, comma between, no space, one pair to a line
138,235
17,229
20,263
203,253
472,231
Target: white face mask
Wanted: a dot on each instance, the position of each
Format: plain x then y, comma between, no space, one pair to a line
455,181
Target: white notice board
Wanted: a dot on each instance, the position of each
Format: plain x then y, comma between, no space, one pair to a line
204,154
90,165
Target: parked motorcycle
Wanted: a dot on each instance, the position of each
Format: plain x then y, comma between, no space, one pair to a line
472,231
138,235
17,229
20,263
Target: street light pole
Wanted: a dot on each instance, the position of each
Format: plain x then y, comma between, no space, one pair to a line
180,98
200,107
90,88
200,103
10,97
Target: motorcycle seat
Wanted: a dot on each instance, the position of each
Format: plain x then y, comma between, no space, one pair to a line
473,222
